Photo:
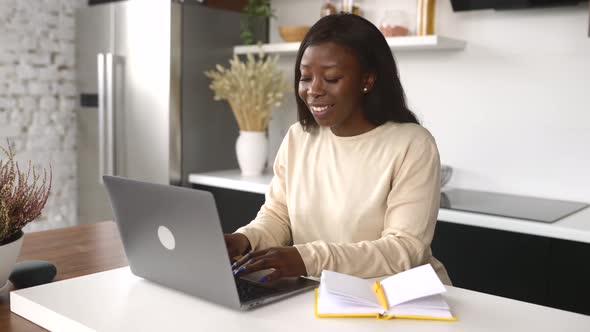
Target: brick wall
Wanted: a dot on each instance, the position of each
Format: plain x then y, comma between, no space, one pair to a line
38,96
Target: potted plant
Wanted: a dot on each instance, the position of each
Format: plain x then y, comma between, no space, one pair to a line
252,89
22,197
254,22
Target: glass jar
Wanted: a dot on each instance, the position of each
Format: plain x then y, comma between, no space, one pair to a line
394,23
349,6
328,8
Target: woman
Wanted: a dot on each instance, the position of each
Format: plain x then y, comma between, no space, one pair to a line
356,182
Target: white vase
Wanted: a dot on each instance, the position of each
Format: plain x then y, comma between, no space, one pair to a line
252,151
8,255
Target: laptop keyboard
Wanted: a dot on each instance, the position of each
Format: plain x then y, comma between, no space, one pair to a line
249,290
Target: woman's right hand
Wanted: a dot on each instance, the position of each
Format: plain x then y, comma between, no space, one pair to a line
237,245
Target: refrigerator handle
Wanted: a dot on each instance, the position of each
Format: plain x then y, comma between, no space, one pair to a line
110,114
101,115
106,112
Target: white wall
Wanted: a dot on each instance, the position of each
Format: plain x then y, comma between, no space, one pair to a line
38,96
511,113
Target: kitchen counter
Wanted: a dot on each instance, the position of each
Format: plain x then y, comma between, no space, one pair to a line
575,227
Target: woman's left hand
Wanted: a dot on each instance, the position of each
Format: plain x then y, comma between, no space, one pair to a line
286,261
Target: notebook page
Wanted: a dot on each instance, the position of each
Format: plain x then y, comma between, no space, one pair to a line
412,284
349,286
430,306
431,302
329,303
416,312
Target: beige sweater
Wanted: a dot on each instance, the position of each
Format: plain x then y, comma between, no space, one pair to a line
364,205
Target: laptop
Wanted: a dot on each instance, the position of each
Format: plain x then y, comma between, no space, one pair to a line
172,236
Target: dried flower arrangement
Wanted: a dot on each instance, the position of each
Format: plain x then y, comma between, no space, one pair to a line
251,88
20,201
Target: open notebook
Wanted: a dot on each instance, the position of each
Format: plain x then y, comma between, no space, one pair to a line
413,294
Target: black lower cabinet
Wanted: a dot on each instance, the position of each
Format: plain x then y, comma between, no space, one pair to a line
523,267
569,286
495,262
235,208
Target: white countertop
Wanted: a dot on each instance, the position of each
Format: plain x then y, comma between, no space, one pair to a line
117,300
232,179
575,227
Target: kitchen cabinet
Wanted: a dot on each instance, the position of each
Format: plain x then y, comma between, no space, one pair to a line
235,208
536,269
569,276
495,262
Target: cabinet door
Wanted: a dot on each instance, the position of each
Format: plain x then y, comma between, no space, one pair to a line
235,208
569,270
496,262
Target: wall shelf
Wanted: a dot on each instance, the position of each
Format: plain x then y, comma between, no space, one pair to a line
409,43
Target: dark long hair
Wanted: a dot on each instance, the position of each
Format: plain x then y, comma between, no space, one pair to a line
386,101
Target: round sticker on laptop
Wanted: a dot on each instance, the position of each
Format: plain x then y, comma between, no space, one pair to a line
166,238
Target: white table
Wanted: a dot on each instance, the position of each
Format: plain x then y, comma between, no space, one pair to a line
117,300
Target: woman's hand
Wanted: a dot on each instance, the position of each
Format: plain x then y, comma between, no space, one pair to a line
286,261
237,245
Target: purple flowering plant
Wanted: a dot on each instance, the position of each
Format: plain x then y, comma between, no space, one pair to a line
22,195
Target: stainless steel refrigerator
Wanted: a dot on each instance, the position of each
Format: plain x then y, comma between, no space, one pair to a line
146,111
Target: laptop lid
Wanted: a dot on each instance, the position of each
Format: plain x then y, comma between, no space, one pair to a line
172,236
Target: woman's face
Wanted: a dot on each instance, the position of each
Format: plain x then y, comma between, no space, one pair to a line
331,85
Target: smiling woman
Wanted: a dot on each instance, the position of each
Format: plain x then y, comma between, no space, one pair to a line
332,85
347,54
356,184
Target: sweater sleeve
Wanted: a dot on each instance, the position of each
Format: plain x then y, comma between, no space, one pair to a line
408,224
272,227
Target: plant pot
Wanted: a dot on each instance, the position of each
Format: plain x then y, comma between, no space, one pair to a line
252,151
8,255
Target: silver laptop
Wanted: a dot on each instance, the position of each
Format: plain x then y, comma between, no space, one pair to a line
172,236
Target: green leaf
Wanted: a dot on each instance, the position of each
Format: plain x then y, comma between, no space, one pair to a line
247,37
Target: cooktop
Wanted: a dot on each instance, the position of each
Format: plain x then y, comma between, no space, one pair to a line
506,205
